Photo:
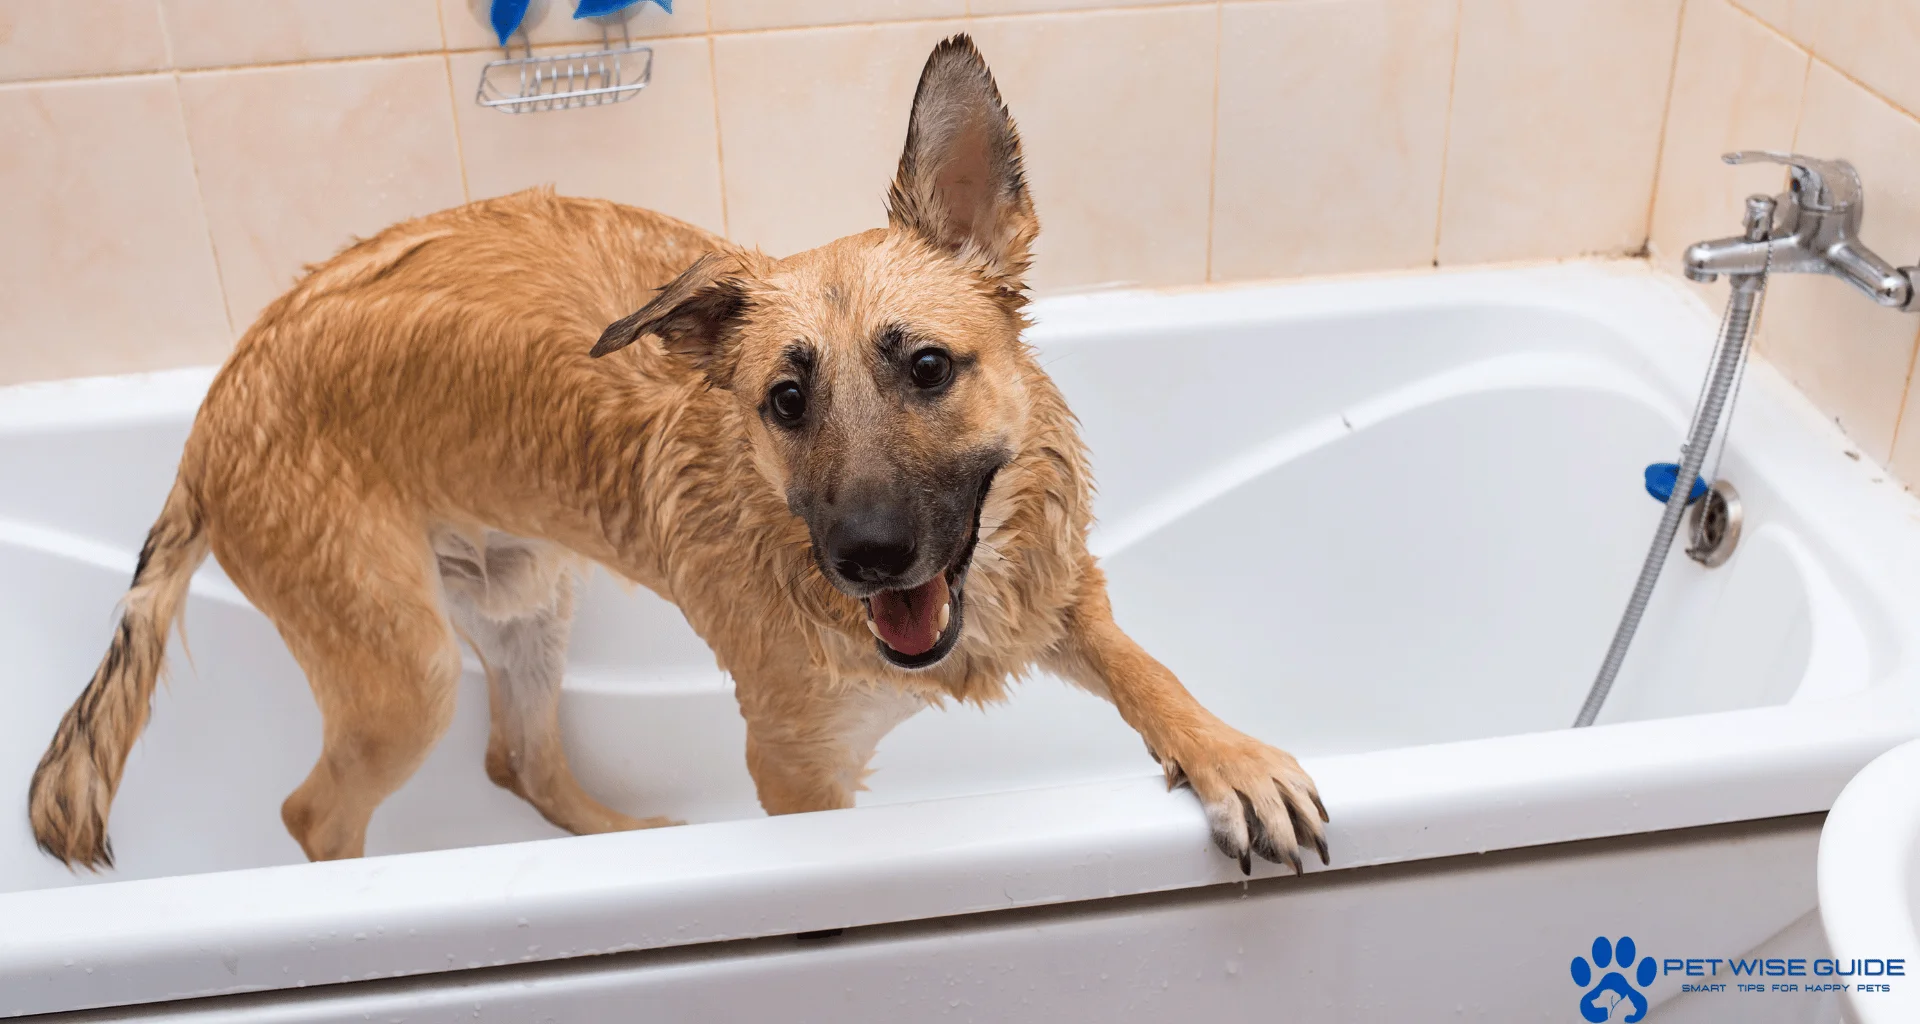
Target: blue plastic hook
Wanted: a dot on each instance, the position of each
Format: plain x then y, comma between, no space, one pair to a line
1660,480
600,8
505,17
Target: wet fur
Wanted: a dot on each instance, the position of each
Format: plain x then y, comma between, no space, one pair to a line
434,432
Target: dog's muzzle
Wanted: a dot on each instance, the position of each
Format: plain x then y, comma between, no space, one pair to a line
913,626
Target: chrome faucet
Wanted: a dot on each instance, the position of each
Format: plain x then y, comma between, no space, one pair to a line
1812,228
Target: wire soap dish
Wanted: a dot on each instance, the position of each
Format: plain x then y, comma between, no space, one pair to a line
566,81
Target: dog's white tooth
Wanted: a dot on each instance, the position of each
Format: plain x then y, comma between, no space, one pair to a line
874,628
946,615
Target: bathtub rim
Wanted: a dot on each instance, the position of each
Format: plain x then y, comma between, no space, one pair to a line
258,929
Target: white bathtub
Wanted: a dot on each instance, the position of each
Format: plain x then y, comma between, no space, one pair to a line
1387,524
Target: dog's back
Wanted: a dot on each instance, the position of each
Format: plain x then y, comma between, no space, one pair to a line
457,324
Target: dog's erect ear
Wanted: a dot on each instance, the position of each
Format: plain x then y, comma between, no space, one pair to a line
960,184
692,315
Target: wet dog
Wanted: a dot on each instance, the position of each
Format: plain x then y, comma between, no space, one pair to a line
845,467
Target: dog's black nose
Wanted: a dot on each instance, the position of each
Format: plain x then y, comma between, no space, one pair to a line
872,548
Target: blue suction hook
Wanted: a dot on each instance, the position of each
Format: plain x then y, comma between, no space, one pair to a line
506,16
1660,480
601,8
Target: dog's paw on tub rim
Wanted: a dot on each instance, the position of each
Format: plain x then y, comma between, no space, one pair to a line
1258,801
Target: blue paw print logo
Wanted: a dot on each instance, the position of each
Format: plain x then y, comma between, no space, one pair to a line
1614,993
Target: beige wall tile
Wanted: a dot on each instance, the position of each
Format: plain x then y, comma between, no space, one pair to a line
1736,85
57,38
1849,355
1555,128
106,267
658,150
1332,133
211,33
811,124
551,21
1115,111
297,161
987,7
735,15
1875,41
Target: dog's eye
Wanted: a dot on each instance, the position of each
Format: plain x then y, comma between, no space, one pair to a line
931,368
788,402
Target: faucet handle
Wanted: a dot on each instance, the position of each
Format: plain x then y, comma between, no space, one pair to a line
1826,186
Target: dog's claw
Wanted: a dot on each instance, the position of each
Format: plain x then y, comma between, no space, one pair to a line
1259,837
1322,808
1228,843
1320,844
1303,829
1246,863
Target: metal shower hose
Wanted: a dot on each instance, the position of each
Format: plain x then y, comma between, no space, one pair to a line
1720,383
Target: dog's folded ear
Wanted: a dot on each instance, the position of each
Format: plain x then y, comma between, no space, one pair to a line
692,315
960,183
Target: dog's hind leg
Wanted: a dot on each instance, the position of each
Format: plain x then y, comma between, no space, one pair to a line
513,601
361,612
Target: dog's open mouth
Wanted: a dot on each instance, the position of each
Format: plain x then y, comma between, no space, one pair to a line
917,627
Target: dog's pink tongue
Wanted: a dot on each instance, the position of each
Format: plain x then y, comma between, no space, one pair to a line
909,620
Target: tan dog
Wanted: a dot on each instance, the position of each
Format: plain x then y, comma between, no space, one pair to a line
845,467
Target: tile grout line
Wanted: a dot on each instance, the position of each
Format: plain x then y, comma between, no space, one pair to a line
235,69
199,190
719,149
453,103
1446,138
1666,121
719,145
459,137
206,218
1213,137
440,18
166,35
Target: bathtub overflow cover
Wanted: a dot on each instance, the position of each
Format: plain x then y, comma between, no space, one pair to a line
1716,525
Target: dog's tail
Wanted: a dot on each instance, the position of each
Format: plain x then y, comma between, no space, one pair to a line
74,785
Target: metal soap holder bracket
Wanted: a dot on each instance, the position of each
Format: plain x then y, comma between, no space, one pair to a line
566,81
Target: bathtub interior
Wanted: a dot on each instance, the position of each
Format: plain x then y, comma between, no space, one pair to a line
1344,534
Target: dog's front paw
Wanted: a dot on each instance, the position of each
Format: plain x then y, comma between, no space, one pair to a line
1258,799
